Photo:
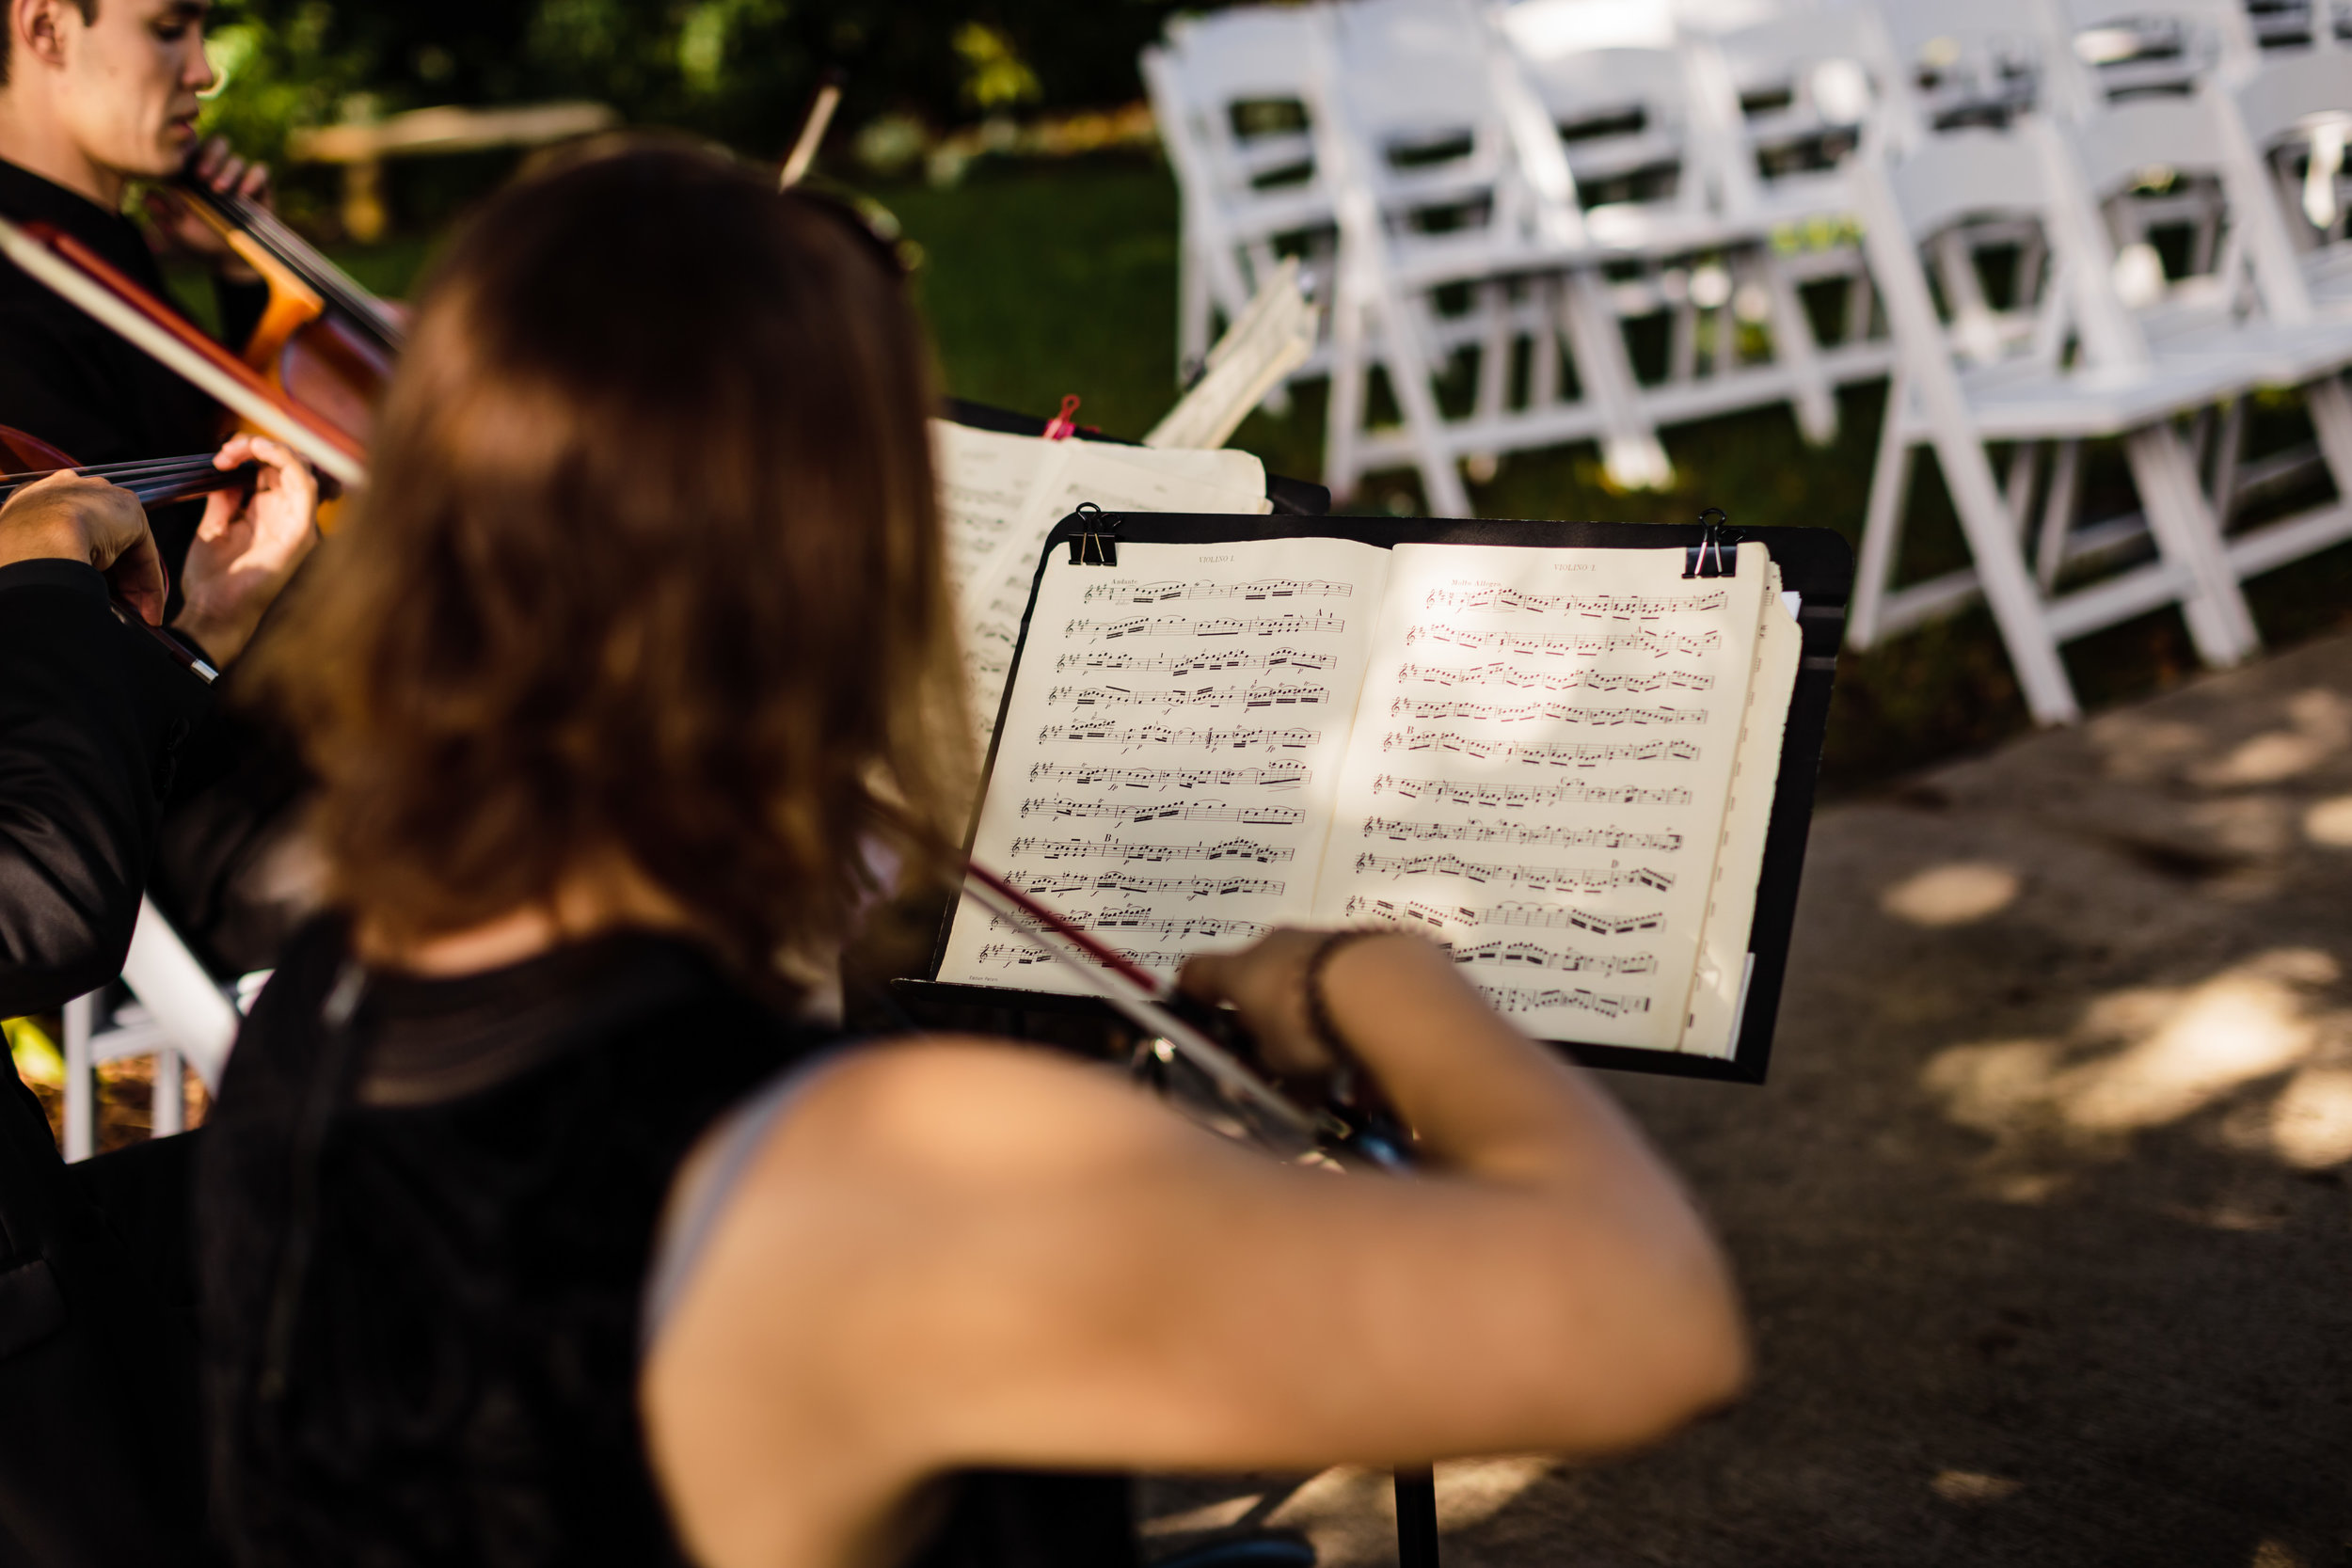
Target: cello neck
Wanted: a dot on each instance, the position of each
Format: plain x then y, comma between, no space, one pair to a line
299,256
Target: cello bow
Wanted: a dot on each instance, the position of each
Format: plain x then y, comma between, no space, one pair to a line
87,281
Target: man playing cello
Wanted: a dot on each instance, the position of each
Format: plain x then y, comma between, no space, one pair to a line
93,96
97,1457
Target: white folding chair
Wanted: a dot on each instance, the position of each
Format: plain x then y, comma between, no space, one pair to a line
1650,150
2296,111
1439,159
2088,371
1783,98
180,1017
1230,93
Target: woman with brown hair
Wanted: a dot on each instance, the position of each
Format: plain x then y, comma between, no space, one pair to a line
618,686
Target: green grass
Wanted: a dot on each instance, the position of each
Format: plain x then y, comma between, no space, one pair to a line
1038,280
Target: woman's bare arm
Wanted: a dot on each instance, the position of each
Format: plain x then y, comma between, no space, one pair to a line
961,1253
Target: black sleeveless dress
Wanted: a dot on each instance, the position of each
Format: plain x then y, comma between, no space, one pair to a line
423,1237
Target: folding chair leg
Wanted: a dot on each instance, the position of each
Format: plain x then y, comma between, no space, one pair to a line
1409,369
1860,306
2330,408
2218,621
1494,362
168,1099
1344,418
2017,608
1793,345
1192,310
1630,448
2226,461
1543,375
2057,514
81,1079
2018,490
1682,342
1883,523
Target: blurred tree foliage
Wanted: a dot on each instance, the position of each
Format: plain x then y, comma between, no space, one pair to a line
739,71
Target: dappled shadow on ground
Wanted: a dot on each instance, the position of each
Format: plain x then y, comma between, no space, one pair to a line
2043,1217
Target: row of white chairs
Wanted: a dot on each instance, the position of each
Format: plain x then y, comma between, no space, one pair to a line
1501,190
1438,161
2103,150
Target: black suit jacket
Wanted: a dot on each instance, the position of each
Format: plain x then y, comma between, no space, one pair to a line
92,716
97,1434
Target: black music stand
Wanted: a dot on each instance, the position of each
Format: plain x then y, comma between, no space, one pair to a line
1816,565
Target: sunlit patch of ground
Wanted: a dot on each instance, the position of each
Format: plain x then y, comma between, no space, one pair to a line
2151,1056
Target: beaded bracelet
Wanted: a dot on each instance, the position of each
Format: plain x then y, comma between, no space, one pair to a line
1319,1012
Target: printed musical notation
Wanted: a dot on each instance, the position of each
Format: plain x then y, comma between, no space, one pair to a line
1294,625
1518,832
1153,923
1065,882
1553,754
1530,955
1536,917
1572,644
1113,848
1501,672
1488,598
1526,999
1526,796
1203,663
1016,954
1129,737
1551,878
1170,778
1206,696
1194,811
1167,593
1558,713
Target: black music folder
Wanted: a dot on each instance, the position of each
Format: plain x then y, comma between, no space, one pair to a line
1582,756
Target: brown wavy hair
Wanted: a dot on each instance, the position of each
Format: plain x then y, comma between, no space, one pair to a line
649,566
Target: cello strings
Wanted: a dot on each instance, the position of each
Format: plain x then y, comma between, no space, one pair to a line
315,268
118,473
112,470
150,481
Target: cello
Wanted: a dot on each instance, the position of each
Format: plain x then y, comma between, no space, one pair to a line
325,343
84,279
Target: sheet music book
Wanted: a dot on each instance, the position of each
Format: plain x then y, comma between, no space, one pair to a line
1543,745
1000,495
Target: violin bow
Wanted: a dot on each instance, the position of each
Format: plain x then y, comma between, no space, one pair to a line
813,129
1145,1000
89,281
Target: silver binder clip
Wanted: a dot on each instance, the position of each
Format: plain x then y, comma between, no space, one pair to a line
1098,545
1716,554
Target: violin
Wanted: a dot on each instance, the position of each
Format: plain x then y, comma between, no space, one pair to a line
323,340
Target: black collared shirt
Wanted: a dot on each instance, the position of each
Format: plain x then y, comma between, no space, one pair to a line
79,385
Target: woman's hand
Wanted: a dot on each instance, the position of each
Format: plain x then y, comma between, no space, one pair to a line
70,517
1266,983
247,546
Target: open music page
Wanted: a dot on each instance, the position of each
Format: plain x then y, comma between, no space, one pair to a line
1559,761
983,477
1169,760
1540,775
997,561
